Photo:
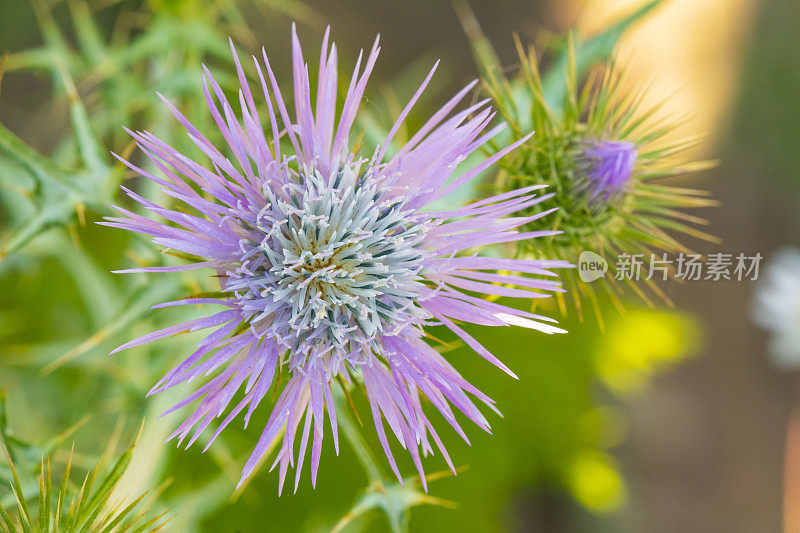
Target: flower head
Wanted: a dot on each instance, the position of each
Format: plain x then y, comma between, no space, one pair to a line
329,263
603,157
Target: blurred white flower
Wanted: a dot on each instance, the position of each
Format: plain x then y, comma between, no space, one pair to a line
776,307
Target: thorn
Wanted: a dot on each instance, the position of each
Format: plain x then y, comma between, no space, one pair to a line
128,150
73,234
440,502
81,210
22,191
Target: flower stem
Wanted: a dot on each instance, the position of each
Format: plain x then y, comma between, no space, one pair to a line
353,435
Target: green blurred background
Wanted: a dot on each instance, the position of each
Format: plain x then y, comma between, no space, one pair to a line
670,420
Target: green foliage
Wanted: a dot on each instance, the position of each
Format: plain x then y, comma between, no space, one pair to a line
383,493
62,507
119,73
60,195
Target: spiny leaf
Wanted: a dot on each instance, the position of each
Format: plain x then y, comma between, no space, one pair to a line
395,501
41,168
88,510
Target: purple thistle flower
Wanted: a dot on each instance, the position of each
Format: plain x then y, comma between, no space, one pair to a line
610,167
329,263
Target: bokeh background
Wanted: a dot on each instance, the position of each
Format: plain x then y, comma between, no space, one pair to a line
669,420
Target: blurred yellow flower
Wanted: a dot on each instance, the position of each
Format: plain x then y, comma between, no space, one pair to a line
641,343
595,482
